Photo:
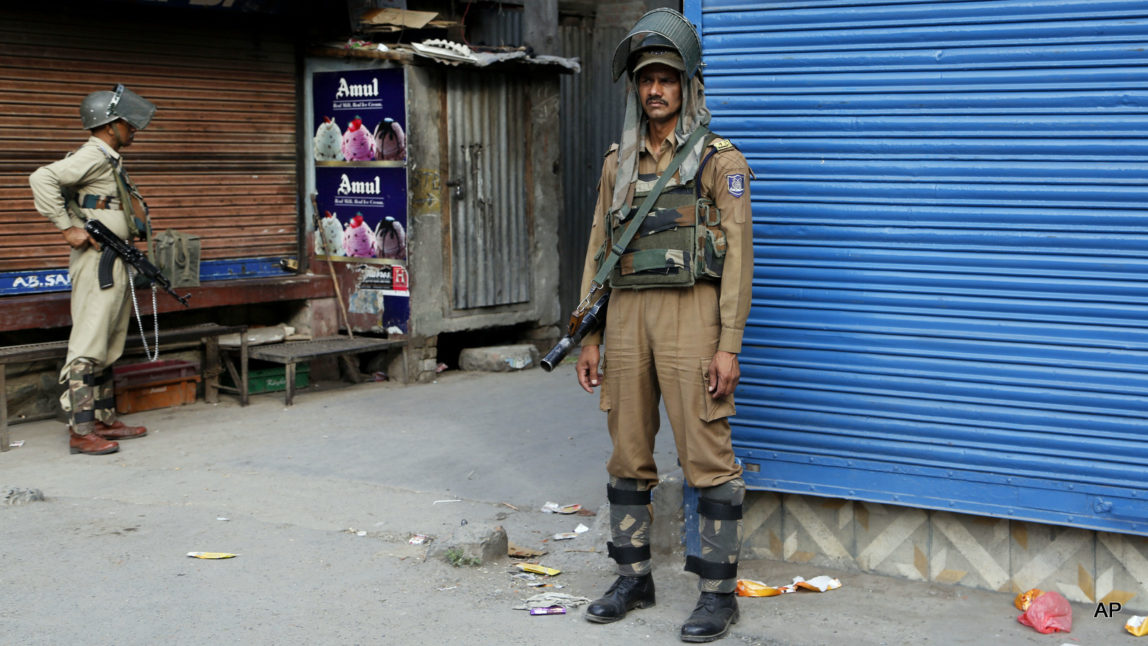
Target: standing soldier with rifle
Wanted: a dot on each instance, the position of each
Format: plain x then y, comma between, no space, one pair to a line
90,184
672,242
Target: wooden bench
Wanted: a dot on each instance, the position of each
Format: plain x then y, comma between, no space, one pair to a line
291,352
213,364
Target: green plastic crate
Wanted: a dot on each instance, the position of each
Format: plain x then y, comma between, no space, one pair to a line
272,378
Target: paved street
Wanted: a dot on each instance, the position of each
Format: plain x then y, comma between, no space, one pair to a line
320,500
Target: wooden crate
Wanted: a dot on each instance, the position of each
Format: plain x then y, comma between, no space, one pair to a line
159,384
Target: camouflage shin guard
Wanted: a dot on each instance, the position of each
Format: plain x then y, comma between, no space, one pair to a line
105,396
630,519
719,512
79,400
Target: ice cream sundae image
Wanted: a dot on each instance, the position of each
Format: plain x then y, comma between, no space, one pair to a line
358,239
332,233
391,239
327,141
390,141
358,144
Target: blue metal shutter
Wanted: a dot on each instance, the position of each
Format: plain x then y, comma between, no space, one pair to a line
951,247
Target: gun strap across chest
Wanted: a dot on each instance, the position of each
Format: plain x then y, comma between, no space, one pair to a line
619,245
126,190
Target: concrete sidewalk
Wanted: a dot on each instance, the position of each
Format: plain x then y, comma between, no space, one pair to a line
320,500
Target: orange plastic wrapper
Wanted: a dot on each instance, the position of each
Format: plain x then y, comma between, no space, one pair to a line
751,588
1024,599
1137,625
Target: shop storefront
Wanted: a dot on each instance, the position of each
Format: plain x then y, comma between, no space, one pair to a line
219,161
949,299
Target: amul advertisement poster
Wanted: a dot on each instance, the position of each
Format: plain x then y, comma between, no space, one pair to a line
360,155
360,117
360,152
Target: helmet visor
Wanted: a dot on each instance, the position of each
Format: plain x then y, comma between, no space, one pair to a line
130,107
671,27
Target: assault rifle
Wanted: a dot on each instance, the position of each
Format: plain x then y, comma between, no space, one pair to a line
113,246
582,322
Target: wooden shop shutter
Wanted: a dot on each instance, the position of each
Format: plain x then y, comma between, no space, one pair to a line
217,161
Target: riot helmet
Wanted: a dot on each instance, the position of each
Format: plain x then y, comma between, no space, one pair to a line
105,106
660,29
655,48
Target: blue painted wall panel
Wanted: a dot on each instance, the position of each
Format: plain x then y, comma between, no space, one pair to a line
951,250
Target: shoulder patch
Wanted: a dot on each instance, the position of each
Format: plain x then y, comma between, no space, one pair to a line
735,184
721,144
613,148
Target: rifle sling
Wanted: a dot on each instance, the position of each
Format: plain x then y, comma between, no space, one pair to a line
126,190
619,245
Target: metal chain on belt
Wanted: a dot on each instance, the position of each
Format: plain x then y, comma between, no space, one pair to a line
139,320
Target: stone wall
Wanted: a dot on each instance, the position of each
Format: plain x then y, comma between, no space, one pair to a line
924,545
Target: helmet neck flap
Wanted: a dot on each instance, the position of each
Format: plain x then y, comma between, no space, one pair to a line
660,28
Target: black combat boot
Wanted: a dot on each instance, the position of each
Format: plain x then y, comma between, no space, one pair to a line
711,618
627,593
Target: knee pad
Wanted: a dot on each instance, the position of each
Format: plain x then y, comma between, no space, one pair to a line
105,391
720,513
79,397
724,500
630,520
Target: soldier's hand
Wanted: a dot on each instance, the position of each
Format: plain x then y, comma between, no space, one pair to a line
723,374
78,238
587,367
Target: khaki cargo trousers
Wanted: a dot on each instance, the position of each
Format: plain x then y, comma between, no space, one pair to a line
659,343
100,320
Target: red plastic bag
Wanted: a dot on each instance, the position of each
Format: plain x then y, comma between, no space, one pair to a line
1048,613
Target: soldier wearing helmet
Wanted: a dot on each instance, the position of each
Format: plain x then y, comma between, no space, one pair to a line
90,183
679,281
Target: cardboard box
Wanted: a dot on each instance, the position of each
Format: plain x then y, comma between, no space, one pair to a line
158,384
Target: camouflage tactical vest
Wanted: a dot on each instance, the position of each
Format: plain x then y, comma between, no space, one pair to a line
680,240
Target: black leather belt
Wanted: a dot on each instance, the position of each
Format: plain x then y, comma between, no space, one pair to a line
99,202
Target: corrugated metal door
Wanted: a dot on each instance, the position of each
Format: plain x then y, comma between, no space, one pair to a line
591,119
951,234
219,159
488,121
585,138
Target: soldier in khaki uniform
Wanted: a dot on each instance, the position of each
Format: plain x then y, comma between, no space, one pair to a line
90,183
675,319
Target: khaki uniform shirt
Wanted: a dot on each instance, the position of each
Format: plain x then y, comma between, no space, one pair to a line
99,316
736,222
85,171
